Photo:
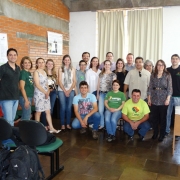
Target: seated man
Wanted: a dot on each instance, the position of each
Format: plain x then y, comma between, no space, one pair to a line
136,113
85,109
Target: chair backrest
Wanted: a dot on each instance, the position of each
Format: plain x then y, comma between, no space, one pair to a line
5,129
32,132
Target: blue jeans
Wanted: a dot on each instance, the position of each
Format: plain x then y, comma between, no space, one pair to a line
93,119
52,95
111,119
26,113
143,128
9,108
101,107
65,106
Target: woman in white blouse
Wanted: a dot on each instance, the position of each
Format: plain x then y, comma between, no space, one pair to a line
92,75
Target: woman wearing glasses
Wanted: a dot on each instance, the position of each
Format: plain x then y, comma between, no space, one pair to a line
159,92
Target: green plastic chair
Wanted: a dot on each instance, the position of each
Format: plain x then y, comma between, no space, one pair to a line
34,134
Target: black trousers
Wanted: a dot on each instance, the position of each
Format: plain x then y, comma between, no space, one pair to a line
159,119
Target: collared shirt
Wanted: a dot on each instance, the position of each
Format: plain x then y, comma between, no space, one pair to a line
128,68
9,80
113,66
160,88
138,80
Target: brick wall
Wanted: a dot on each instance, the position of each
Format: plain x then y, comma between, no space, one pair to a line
34,49
52,7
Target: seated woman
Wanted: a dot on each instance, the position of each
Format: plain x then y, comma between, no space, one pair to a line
114,102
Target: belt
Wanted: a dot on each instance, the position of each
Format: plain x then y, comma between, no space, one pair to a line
159,88
103,91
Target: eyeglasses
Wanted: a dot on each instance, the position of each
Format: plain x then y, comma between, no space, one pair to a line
140,74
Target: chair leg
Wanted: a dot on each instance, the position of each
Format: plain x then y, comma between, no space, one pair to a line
173,145
57,159
52,163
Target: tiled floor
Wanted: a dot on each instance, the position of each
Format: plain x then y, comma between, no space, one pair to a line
87,159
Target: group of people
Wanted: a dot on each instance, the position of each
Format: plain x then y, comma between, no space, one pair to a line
101,94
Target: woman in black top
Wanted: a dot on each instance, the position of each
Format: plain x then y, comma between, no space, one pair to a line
121,73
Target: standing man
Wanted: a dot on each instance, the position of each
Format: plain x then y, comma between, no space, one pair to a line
9,90
109,56
85,109
135,114
137,78
130,62
85,57
174,70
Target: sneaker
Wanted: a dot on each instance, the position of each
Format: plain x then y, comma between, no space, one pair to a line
109,138
113,138
94,134
141,138
166,134
83,130
131,138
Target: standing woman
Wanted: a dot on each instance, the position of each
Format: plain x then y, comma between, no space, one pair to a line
105,80
52,80
67,81
120,72
114,102
160,90
41,94
26,88
92,75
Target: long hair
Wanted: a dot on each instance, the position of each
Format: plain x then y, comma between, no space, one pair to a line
103,70
123,69
156,70
53,69
97,67
38,60
64,57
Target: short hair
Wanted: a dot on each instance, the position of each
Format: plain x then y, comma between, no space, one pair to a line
136,91
174,55
109,53
38,60
82,61
116,81
22,61
83,83
85,53
139,58
11,49
148,62
130,54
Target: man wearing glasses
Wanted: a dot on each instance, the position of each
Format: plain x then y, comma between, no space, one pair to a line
137,78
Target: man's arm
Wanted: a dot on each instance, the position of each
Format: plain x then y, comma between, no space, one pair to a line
78,116
137,123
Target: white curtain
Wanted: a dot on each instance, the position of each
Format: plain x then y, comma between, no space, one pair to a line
145,33
110,34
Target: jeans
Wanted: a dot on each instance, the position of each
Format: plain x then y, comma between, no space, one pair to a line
111,119
159,119
52,95
9,108
169,113
101,107
26,113
143,128
93,119
65,106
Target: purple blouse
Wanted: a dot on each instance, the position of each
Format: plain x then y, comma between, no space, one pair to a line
160,88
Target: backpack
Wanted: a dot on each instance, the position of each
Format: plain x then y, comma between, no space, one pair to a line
24,165
4,163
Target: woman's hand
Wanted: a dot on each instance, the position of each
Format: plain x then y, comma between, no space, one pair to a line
26,104
166,102
47,94
149,102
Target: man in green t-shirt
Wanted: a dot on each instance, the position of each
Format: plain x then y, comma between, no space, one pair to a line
135,114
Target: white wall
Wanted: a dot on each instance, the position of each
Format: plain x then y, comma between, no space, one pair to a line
171,33
82,32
